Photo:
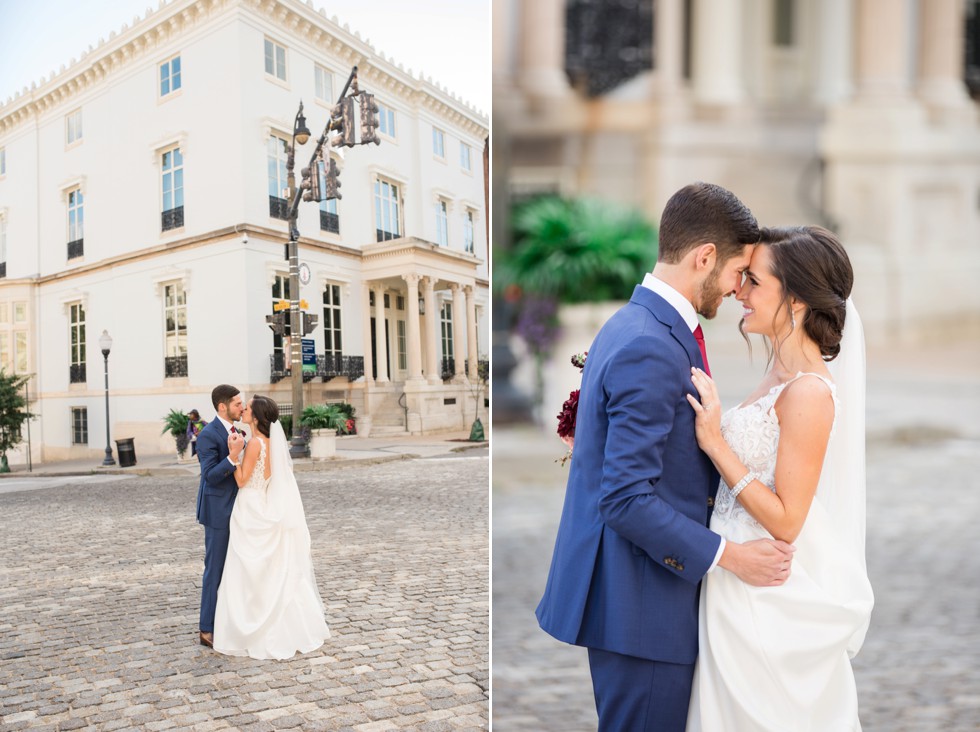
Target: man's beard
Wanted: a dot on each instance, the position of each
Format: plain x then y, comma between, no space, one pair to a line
710,294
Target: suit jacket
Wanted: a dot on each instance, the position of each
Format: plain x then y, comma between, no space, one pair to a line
633,542
218,490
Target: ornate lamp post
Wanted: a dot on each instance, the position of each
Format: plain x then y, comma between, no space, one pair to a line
105,343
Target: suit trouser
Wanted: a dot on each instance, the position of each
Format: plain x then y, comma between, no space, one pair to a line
215,549
636,694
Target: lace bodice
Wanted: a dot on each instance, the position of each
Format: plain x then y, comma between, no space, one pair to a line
257,479
752,431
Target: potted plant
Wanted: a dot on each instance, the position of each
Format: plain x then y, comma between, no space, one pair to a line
321,420
176,424
13,413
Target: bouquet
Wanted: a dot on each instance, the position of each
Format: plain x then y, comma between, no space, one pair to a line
566,420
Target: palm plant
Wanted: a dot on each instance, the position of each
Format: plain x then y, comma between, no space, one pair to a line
176,424
326,417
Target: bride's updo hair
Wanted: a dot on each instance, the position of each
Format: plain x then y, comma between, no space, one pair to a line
264,411
813,267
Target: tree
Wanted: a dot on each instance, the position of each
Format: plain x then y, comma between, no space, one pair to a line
13,414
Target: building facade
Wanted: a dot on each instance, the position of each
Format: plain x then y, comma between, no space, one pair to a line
853,114
143,192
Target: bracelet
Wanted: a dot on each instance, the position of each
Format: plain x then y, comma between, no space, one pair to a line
740,486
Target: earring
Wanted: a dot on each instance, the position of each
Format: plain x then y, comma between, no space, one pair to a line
793,319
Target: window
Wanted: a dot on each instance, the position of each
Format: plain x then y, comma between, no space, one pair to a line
175,330
3,245
465,157
332,345
278,205
4,350
329,220
275,60
447,329
386,213
76,326
3,161
20,312
280,354
73,126
468,231
438,143
402,345
386,120
20,352
172,167
76,223
170,76
79,425
324,84
442,224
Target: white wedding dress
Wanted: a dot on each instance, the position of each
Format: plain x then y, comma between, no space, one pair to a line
778,658
268,602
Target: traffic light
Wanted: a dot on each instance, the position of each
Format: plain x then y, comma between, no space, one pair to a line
309,323
311,182
332,180
342,120
277,322
369,119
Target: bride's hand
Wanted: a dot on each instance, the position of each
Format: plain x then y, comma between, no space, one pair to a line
707,421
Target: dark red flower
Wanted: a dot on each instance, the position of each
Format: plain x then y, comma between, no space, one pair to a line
566,420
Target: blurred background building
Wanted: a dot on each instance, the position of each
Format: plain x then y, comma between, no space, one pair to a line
853,114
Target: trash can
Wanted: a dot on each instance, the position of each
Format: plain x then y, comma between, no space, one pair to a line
127,452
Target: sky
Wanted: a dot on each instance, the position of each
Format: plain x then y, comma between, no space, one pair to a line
429,36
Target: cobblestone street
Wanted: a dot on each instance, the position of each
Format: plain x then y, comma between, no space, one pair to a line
919,670
100,589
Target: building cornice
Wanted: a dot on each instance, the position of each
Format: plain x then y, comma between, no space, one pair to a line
178,17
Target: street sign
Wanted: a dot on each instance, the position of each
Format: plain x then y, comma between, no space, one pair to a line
309,355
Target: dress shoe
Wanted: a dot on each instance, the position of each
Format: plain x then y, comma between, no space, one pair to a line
207,639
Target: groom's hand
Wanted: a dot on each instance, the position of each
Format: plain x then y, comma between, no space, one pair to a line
763,562
236,443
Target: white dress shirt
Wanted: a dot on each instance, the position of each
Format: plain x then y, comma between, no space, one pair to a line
228,425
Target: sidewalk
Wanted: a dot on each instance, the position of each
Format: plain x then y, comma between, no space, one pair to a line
350,450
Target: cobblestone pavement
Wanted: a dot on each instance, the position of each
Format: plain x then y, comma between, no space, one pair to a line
919,670
100,590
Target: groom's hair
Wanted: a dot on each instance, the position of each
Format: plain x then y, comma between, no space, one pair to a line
264,411
704,212
223,394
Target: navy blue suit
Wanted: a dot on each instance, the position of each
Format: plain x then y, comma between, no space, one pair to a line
215,500
633,542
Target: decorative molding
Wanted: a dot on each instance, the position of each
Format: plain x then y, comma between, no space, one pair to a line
67,186
171,140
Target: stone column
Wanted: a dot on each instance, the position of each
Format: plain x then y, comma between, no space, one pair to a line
366,334
433,364
883,36
941,85
414,344
542,48
834,55
458,315
380,333
717,58
471,344
668,62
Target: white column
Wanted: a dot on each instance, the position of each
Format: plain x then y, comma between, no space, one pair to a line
542,52
471,344
883,36
458,314
380,334
414,344
668,62
433,364
834,55
941,84
366,334
717,56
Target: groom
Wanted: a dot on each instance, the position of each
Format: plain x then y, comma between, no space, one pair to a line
219,447
633,543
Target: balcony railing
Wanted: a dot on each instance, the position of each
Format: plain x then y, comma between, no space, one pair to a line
175,367
329,222
278,207
482,369
3,269
76,373
172,219
386,235
448,368
328,366
76,248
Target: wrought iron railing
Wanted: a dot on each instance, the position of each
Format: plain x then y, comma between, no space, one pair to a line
3,269
482,369
277,367
76,373
330,365
448,368
386,235
329,222
76,248
172,219
175,366
278,208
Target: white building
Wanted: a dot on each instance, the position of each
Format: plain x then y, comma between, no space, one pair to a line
141,193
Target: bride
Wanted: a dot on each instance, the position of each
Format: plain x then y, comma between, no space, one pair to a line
791,459
268,602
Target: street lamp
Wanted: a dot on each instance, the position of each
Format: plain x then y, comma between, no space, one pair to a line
105,343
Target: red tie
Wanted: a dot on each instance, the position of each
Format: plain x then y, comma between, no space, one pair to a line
699,337
235,431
